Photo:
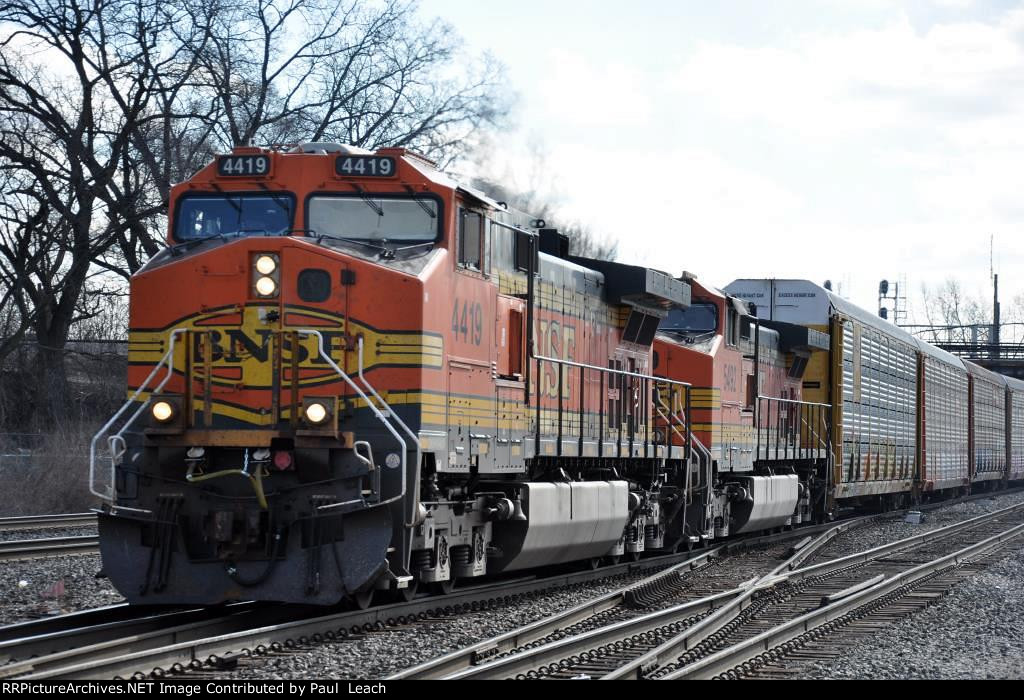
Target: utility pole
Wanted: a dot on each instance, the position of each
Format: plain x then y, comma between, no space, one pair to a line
995,315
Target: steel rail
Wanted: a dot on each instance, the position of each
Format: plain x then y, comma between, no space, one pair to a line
32,632
83,662
736,655
670,650
521,663
49,547
474,654
335,623
24,522
479,653
47,636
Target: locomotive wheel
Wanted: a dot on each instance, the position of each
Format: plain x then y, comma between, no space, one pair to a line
363,599
445,587
614,559
634,556
407,594
685,544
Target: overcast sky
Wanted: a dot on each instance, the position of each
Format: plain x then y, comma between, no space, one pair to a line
845,140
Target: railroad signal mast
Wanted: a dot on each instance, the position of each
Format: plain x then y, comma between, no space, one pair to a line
898,302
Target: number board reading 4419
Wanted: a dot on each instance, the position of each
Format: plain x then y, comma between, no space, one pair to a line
365,166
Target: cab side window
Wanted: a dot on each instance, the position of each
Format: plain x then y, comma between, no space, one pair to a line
471,240
732,326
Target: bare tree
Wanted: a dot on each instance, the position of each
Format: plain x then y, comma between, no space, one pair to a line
954,315
75,81
103,105
367,74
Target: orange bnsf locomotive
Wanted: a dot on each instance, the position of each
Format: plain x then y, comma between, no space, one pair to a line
350,374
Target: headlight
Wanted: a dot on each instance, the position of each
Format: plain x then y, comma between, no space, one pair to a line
163,411
266,274
266,287
265,264
316,413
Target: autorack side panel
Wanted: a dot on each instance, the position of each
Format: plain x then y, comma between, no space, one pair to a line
1015,428
988,423
944,453
879,413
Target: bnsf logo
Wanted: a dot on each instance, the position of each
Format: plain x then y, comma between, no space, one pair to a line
238,346
556,340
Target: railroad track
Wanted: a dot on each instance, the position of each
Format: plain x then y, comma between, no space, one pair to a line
124,641
708,581
691,588
162,644
49,547
900,586
675,641
29,522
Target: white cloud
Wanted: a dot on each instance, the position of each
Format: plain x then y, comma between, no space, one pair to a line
852,154
893,77
587,92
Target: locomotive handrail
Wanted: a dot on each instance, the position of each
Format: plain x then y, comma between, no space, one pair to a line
779,399
790,436
373,407
704,455
670,416
415,438
602,371
112,440
609,370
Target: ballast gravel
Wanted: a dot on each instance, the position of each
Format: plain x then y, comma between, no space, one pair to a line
47,532
33,588
379,654
382,653
889,530
975,632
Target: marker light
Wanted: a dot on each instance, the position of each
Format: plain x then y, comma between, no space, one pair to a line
283,460
316,413
163,411
265,264
266,287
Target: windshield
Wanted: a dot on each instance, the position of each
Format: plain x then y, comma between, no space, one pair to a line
698,318
370,218
202,216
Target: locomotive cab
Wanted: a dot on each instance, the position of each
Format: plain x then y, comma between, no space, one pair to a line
747,409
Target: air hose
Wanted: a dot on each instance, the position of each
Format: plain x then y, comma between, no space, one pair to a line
256,479
232,569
